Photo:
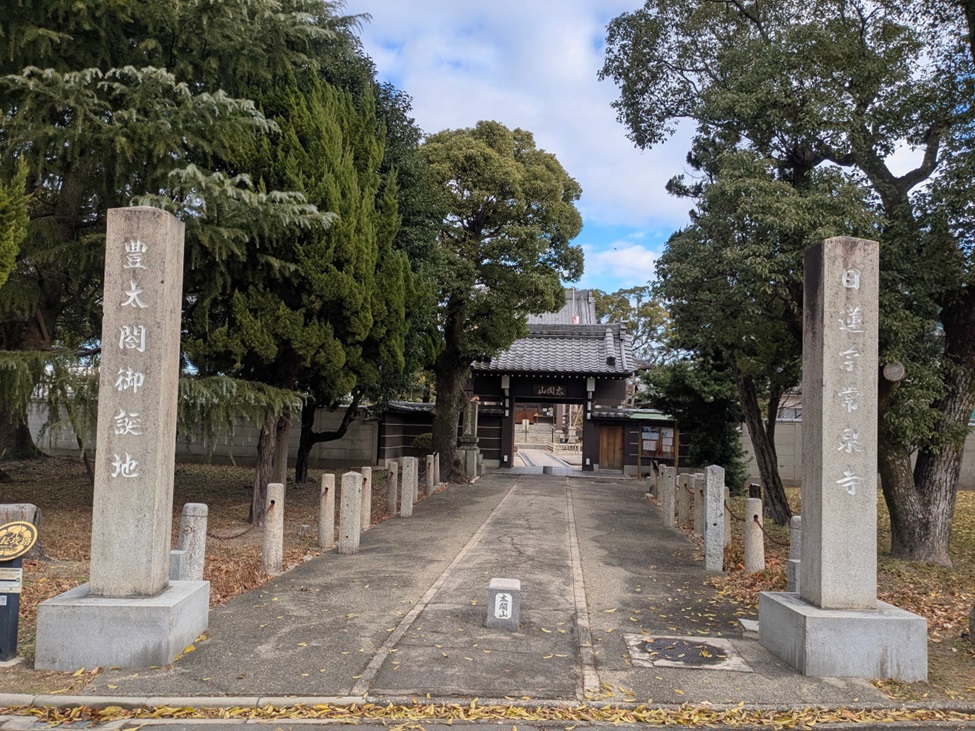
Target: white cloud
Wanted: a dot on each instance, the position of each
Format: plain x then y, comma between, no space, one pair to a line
530,65
622,265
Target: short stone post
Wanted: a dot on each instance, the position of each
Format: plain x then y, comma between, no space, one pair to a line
714,518
430,474
326,513
683,501
272,553
504,604
392,487
795,548
366,512
754,537
436,468
350,513
668,496
698,484
193,540
409,487
416,480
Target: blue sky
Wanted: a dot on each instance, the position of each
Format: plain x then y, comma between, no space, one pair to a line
533,64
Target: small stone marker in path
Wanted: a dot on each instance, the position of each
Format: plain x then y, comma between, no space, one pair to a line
504,604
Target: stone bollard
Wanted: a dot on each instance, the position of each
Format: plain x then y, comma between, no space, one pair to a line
350,513
504,604
392,487
193,540
430,476
683,501
698,485
714,518
754,537
409,487
272,553
436,468
668,496
795,553
326,513
416,480
365,513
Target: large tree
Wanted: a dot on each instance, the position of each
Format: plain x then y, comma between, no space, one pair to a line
843,83
504,252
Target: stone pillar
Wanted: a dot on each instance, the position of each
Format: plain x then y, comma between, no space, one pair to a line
326,513
431,484
350,513
714,519
273,544
193,540
416,480
130,614
366,512
668,496
392,487
698,487
436,468
754,537
835,626
795,548
409,487
839,431
132,513
683,501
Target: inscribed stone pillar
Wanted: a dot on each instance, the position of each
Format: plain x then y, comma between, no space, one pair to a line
132,512
668,496
409,487
838,568
193,540
350,518
273,545
326,512
392,487
366,513
714,518
683,501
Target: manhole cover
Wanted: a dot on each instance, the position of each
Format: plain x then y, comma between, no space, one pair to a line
684,652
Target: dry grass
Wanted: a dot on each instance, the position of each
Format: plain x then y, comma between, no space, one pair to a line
60,487
943,596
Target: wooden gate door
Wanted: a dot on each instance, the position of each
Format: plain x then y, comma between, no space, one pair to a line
610,447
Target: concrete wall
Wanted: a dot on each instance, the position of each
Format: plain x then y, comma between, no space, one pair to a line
357,447
788,445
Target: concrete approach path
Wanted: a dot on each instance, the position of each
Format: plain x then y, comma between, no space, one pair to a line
404,618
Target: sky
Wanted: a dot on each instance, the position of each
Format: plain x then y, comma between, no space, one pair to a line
533,64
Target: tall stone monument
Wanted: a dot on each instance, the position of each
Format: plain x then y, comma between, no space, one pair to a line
835,626
130,614
469,450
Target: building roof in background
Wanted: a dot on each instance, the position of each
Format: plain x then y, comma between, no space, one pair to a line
579,309
591,350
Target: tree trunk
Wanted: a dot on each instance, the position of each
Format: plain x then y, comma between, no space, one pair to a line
922,504
450,402
774,503
310,437
265,464
16,441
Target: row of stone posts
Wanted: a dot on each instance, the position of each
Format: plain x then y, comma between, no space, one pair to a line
697,501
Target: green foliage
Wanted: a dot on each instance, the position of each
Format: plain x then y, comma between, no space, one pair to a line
423,442
13,221
702,396
647,321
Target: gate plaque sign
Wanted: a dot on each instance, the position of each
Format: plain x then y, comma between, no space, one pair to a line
16,539
554,390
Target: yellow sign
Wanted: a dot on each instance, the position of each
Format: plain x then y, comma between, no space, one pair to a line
16,539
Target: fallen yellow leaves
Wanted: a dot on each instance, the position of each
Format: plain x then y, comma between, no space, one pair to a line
685,715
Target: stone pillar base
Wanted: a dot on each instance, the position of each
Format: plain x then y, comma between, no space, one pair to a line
886,643
469,456
76,630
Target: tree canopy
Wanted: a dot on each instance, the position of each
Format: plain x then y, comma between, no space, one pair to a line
504,250
834,88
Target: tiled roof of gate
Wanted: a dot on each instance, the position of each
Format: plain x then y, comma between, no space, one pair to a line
597,350
579,303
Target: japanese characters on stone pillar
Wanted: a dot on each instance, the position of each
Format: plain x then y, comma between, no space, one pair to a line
838,569
138,382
